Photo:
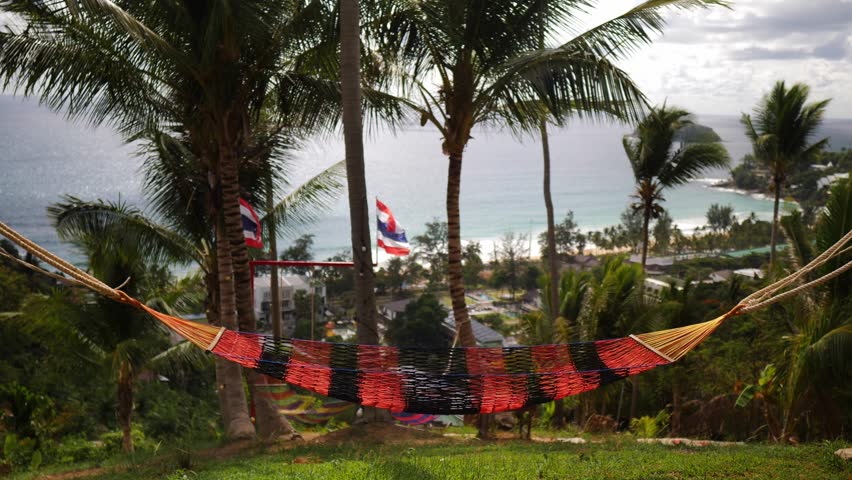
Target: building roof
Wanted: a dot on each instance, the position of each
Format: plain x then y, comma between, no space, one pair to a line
483,334
396,306
749,272
653,261
720,275
830,179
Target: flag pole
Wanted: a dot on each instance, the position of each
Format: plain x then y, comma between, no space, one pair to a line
376,206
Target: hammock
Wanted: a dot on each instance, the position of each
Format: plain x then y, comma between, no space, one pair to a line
453,380
301,408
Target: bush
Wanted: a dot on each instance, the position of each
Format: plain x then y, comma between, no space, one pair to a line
112,441
19,452
168,414
647,427
78,449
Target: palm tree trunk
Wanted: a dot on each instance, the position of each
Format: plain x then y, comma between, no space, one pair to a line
269,422
359,214
232,400
774,237
275,293
634,393
558,420
228,374
464,330
552,261
645,223
350,86
125,407
676,413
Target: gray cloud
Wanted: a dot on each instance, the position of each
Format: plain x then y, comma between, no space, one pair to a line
834,49
763,21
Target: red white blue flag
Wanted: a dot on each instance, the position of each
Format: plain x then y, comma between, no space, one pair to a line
390,236
251,225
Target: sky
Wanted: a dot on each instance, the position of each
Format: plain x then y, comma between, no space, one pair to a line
722,60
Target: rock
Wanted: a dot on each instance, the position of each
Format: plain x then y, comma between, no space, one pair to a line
600,424
688,442
844,453
571,440
505,420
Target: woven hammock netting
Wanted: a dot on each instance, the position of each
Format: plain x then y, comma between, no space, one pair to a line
440,381
450,380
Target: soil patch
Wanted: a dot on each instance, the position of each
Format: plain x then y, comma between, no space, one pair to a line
379,434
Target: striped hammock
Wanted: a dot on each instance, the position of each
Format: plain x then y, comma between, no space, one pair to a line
443,381
454,380
301,408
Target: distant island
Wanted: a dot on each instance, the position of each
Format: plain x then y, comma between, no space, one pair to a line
694,133
697,134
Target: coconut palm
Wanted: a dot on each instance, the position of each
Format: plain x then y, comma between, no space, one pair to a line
561,326
98,330
658,163
360,226
614,308
488,65
206,71
782,133
646,11
180,196
817,357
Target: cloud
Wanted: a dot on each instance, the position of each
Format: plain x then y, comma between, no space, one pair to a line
835,49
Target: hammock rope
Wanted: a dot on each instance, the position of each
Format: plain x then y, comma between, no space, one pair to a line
451,380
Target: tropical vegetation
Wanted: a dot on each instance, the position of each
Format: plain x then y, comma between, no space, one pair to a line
217,96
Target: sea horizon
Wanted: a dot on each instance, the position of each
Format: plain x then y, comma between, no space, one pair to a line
44,156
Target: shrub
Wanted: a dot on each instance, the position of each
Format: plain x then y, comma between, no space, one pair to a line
166,413
78,449
20,452
112,441
647,427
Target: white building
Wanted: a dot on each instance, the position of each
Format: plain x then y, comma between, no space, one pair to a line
828,180
288,286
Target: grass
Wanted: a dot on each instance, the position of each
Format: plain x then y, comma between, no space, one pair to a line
618,458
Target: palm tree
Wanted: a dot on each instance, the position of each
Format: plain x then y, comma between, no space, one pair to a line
205,71
614,307
489,65
809,372
98,330
179,195
657,165
816,360
562,325
359,220
645,19
781,133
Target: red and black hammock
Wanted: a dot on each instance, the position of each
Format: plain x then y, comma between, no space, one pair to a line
450,380
445,380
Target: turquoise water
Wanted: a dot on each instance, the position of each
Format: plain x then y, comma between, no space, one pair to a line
42,156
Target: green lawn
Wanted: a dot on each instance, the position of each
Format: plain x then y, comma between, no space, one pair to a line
514,459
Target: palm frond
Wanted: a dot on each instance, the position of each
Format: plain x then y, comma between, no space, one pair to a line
179,358
691,160
306,203
119,229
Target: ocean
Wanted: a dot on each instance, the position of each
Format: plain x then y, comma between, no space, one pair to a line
43,156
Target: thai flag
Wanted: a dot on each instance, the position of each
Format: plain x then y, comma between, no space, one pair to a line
391,235
251,225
